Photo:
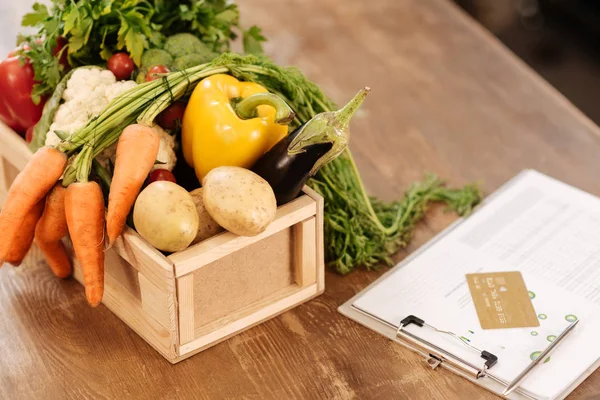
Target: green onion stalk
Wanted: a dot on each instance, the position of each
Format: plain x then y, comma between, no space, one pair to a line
359,230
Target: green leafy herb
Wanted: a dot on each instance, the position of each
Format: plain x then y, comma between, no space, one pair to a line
359,230
253,38
38,16
95,29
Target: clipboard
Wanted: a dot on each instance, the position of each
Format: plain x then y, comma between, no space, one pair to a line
436,357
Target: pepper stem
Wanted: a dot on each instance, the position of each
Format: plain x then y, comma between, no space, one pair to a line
246,108
346,113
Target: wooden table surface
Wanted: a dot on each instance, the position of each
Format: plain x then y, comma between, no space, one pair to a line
446,98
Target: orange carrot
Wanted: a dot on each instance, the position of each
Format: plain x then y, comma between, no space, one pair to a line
56,257
51,228
136,154
84,209
31,185
24,236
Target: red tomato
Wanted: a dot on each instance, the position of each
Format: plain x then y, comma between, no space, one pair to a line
157,69
29,134
121,65
169,118
160,175
16,107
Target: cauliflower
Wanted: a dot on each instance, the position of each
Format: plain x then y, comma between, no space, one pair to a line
166,158
88,93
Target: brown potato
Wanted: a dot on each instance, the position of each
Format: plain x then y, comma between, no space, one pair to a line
239,200
207,227
165,215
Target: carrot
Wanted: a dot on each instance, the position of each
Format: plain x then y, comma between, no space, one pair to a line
136,154
31,185
56,257
84,210
24,236
51,228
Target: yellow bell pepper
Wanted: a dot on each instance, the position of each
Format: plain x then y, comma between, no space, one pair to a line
231,123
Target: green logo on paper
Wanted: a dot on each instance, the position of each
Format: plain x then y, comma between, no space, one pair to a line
534,333
534,356
531,294
571,318
551,338
542,316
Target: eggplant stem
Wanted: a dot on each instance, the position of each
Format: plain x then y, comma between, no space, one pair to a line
345,114
246,108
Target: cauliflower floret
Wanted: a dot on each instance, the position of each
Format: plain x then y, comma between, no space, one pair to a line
84,80
166,157
117,88
89,91
107,156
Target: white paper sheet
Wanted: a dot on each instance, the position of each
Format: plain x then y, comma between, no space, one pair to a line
547,230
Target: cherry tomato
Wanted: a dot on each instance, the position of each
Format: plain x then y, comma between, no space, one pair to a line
157,69
169,118
121,65
29,134
160,175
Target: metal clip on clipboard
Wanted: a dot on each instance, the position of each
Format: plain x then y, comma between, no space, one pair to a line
437,355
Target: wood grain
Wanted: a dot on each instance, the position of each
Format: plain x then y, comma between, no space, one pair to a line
320,240
251,274
305,252
221,245
185,293
446,98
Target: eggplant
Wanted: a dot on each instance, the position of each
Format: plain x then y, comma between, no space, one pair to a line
295,158
287,173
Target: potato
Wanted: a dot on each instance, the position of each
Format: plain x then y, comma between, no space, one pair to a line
207,227
165,215
239,200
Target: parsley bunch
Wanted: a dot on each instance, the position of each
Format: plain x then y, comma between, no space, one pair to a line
94,29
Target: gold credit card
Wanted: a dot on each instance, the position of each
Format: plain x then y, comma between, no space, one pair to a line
502,300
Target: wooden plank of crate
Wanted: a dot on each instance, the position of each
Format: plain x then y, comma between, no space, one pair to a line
156,302
264,310
305,258
320,236
129,309
250,274
225,243
13,148
157,268
185,293
158,275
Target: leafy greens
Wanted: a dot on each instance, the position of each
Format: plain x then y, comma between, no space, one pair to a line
94,29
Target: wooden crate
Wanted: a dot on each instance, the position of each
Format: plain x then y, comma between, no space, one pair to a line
188,301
